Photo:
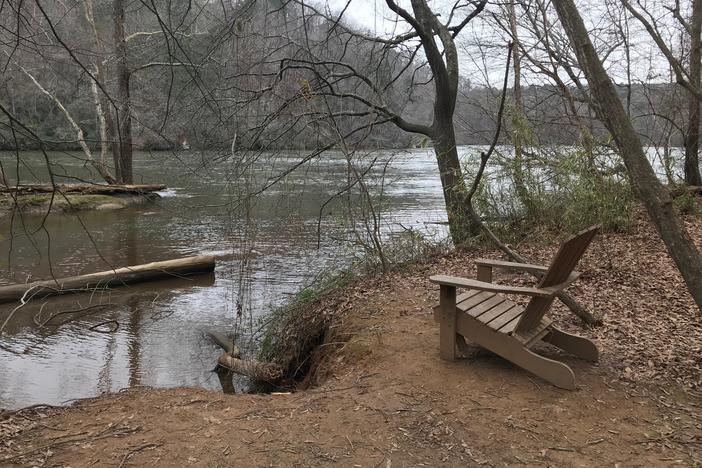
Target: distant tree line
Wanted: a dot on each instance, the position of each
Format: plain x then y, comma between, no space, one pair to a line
192,83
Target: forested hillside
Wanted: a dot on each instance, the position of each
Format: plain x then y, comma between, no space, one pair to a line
204,76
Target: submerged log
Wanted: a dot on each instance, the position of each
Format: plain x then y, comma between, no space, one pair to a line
86,189
121,276
256,370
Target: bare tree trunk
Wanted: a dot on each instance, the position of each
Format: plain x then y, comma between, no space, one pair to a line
518,115
461,224
445,68
80,136
124,117
102,105
644,182
692,133
101,165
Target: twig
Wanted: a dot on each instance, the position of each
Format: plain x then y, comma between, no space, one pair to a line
484,157
127,455
562,449
566,298
8,414
113,329
76,438
64,312
23,302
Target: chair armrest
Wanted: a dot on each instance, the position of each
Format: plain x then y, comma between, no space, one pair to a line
528,267
511,265
491,287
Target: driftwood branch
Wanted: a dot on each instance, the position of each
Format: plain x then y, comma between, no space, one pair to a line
256,370
225,343
231,360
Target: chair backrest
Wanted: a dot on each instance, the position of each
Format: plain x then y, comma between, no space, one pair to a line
562,266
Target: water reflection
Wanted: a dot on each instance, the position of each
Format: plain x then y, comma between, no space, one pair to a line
133,347
159,341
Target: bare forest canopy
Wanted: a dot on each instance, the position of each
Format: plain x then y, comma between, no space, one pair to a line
206,74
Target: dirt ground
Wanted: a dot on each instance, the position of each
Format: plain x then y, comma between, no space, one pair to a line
386,399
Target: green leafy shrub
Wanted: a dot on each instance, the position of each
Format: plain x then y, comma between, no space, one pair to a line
563,190
686,204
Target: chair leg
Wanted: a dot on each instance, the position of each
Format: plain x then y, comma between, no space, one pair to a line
508,347
557,373
447,326
574,344
462,345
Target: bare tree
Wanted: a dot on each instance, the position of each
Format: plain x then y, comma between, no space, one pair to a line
692,133
646,185
688,77
125,172
333,78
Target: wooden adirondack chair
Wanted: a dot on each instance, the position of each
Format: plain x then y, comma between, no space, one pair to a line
485,316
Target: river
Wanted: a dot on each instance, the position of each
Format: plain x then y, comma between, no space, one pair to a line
266,249
159,341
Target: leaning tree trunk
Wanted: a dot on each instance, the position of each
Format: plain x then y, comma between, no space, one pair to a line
692,132
461,224
445,68
645,184
124,112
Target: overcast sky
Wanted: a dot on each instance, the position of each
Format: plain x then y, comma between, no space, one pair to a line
481,35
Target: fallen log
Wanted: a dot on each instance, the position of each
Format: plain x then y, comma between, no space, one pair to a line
121,276
87,189
225,343
687,190
256,370
232,362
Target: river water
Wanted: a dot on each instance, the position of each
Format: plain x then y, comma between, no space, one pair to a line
266,249
159,340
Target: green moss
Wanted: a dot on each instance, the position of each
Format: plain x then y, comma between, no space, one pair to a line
33,200
39,203
85,202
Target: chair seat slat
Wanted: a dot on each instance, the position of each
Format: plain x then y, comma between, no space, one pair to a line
475,300
486,306
466,295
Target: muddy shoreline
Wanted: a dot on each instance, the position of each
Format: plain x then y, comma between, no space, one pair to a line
379,395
